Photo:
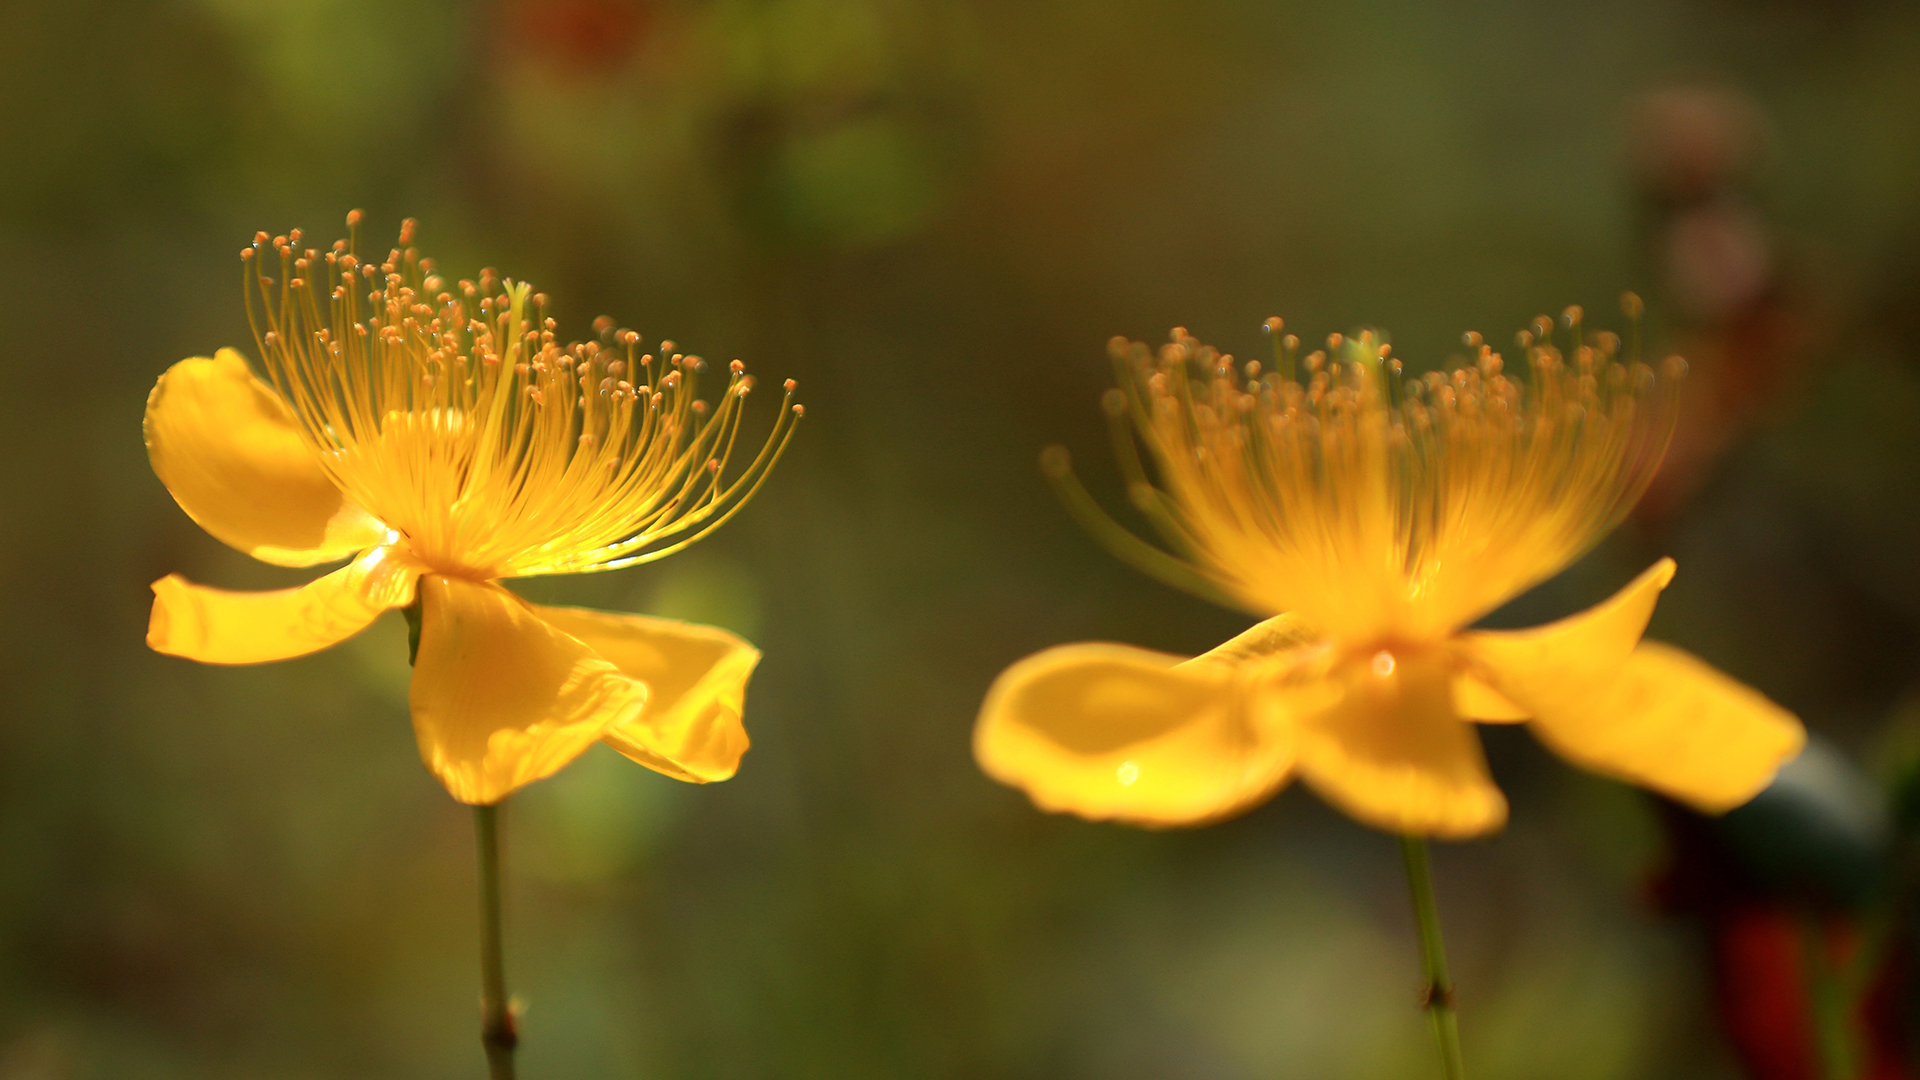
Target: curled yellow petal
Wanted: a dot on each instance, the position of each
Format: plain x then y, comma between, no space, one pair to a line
1114,732
231,452
696,679
1569,660
500,697
218,626
1392,753
1672,723
1651,715
1271,637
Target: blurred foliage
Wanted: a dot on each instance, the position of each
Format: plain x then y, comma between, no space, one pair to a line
932,213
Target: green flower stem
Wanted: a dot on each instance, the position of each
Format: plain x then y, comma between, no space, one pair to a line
1829,1003
497,1031
1433,957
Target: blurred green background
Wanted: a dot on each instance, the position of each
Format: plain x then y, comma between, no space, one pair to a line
932,213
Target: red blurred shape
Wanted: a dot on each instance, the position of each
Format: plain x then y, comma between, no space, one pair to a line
1761,991
586,37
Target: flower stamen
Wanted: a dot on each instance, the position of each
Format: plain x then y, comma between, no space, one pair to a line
1369,500
450,412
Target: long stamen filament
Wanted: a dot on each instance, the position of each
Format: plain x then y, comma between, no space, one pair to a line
1365,498
450,412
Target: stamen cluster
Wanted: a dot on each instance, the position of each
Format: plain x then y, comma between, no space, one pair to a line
451,412
1376,503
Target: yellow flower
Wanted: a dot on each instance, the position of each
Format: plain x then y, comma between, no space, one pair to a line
437,433
1369,519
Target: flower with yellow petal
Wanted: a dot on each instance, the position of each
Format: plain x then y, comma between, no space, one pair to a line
440,436
1369,519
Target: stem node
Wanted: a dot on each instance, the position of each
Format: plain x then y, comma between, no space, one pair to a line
1438,999
499,1034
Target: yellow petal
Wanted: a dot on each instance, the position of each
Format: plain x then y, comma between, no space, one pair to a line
1114,732
696,679
1575,658
1269,638
216,626
500,698
1652,715
230,451
1672,723
1392,753
1474,700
